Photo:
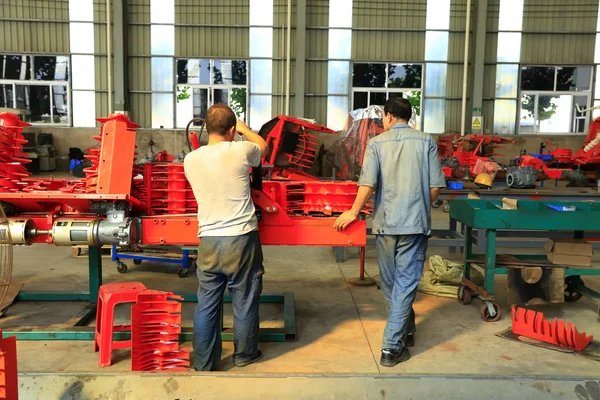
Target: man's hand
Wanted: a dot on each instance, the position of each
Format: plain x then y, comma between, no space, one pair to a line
241,127
344,220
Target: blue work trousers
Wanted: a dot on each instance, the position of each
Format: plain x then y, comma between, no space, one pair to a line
401,259
235,262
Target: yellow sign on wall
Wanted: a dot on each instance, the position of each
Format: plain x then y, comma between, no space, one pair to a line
477,123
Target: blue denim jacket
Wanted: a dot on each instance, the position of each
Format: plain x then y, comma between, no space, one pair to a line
402,165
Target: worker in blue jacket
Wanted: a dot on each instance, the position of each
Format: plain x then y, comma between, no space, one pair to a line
402,167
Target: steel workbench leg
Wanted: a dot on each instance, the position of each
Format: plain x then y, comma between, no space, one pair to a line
95,267
481,240
452,229
339,254
490,261
468,252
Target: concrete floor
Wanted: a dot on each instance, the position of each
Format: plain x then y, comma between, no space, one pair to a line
338,345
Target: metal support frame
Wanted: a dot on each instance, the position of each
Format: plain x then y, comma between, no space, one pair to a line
79,331
479,59
120,23
300,57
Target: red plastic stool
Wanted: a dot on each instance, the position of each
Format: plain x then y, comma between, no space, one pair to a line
109,296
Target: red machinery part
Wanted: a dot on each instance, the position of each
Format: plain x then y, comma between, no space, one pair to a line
533,325
155,329
9,388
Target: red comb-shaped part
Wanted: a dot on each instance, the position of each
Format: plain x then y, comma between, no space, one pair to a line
532,324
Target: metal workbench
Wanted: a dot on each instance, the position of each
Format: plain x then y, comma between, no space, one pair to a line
78,328
488,215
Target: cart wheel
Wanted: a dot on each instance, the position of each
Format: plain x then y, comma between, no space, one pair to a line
137,262
571,295
436,203
446,207
182,272
121,267
464,295
485,312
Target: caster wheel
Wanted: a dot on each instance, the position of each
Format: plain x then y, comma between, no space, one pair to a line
182,272
121,267
571,295
485,312
464,295
446,207
137,262
436,204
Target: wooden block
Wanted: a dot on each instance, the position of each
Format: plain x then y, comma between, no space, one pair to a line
531,274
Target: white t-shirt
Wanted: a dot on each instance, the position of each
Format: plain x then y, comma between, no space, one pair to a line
219,176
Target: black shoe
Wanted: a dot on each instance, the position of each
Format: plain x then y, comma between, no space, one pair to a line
248,361
391,357
408,340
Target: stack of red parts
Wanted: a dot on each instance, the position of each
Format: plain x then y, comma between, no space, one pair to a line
532,324
155,329
11,156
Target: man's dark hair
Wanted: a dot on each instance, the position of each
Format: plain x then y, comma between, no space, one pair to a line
398,107
220,119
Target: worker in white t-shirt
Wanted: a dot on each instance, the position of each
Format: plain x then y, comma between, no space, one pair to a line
230,252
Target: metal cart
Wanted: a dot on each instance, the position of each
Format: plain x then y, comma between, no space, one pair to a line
138,256
529,215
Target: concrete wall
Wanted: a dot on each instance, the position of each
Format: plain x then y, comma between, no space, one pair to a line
174,142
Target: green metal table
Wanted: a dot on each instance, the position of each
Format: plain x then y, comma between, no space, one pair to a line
529,215
79,329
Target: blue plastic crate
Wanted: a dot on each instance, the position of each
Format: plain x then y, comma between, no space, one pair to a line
456,185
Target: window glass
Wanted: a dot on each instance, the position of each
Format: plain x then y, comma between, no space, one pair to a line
162,74
261,42
435,80
60,104
83,72
15,67
162,110
337,111
505,112
162,40
436,46
340,14
238,102
511,15
229,72
84,108
361,100
81,10
404,76
579,118
338,77
6,96
573,78
260,111
377,98
340,43
36,99
509,47
368,75
435,115
438,14
193,72
162,11
527,121
81,37
554,113
51,68
261,73
261,12
537,78
507,80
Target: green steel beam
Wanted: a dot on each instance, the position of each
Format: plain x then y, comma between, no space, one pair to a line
53,296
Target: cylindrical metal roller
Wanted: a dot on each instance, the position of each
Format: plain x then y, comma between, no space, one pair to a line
20,231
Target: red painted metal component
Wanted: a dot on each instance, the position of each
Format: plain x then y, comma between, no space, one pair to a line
290,144
532,324
9,388
194,140
155,329
12,158
167,189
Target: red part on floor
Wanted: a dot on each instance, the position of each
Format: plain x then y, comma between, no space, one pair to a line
532,324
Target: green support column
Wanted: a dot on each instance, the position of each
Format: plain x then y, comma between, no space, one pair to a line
95,267
468,251
490,261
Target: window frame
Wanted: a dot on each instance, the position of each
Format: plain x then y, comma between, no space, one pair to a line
49,83
210,87
572,118
386,89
